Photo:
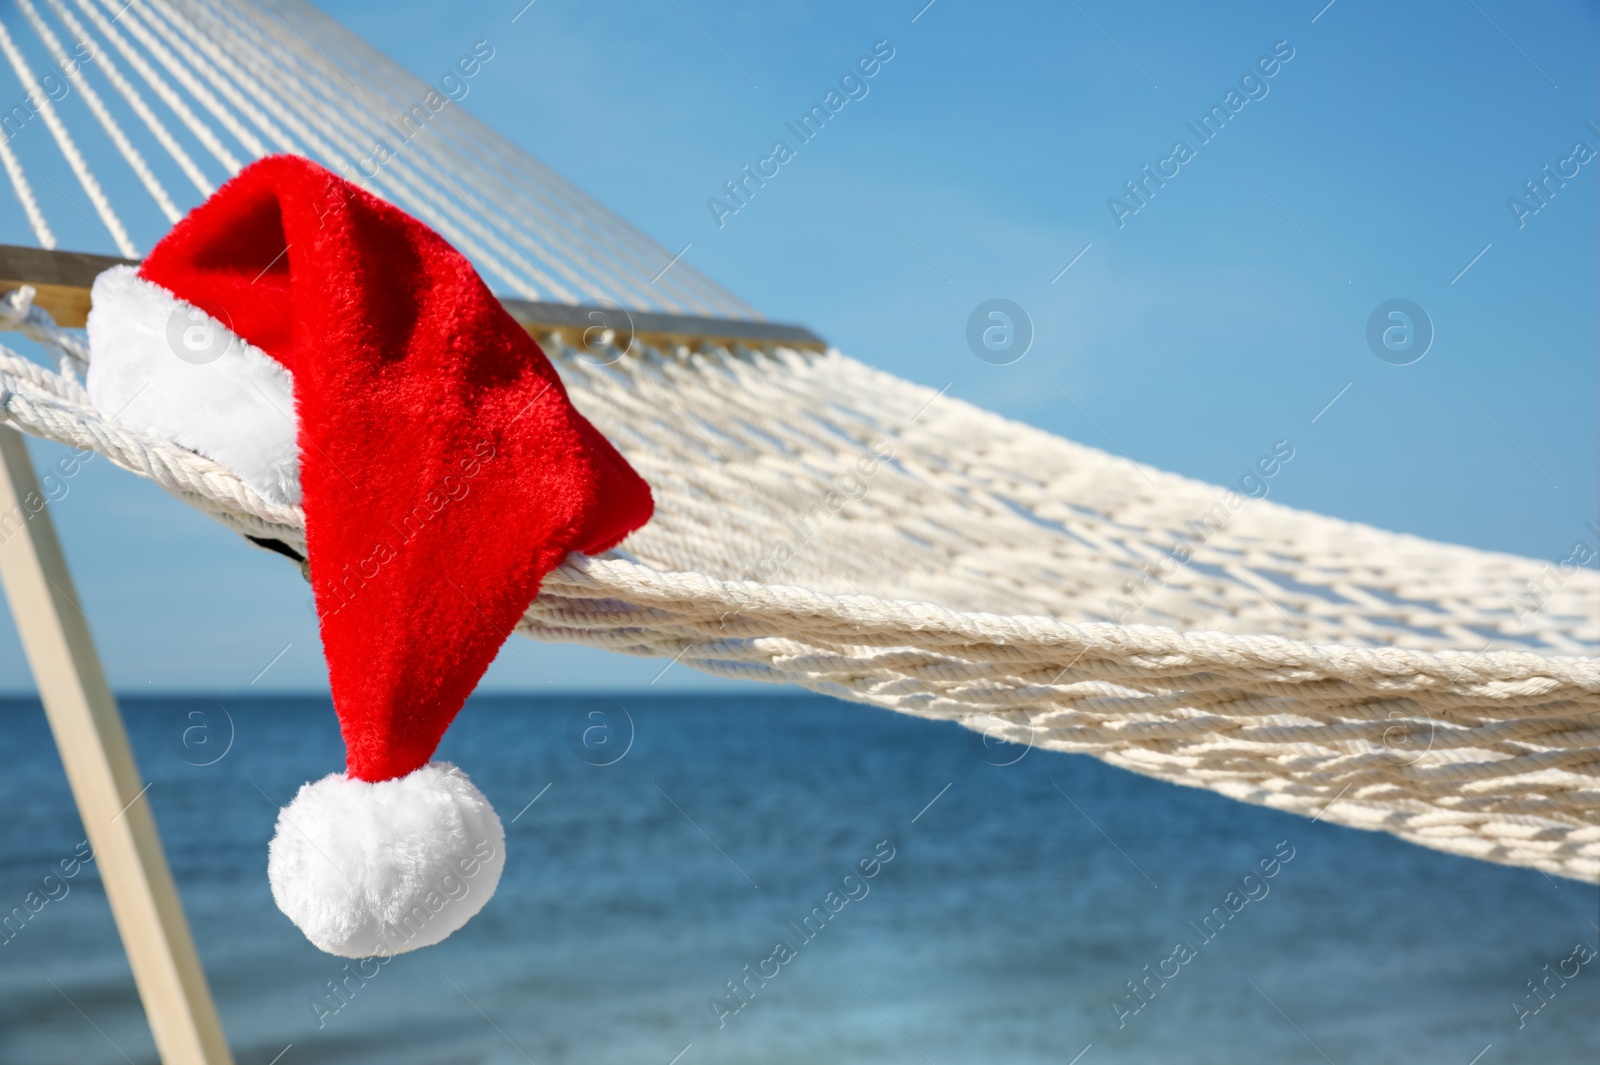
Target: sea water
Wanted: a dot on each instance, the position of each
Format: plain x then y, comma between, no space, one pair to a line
788,878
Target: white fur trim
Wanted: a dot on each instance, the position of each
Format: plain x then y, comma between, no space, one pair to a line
236,409
379,869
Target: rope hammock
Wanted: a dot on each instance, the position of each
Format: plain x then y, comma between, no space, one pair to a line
824,524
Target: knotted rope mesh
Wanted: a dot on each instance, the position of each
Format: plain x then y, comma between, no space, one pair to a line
824,524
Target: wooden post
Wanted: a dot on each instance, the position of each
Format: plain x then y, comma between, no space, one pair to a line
94,748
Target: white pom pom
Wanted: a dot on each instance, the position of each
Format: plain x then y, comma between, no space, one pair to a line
378,869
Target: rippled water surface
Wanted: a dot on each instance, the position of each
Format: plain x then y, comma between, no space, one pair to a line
1017,904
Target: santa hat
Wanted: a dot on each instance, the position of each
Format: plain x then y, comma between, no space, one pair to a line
334,351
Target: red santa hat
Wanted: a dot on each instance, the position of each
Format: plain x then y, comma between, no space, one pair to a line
336,352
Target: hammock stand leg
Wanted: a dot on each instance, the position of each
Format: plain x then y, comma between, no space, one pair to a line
105,783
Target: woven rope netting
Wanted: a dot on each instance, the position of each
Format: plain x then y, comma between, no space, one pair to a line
824,524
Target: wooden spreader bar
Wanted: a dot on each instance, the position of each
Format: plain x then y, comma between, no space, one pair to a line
62,280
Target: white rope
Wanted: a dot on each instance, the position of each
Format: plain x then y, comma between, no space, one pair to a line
202,132
574,226
566,231
566,219
134,100
80,168
24,191
420,196
197,50
446,216
182,74
98,108
589,223
518,180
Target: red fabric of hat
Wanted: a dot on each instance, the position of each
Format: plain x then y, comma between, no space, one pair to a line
444,471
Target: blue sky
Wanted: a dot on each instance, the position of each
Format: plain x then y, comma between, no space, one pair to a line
1223,315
